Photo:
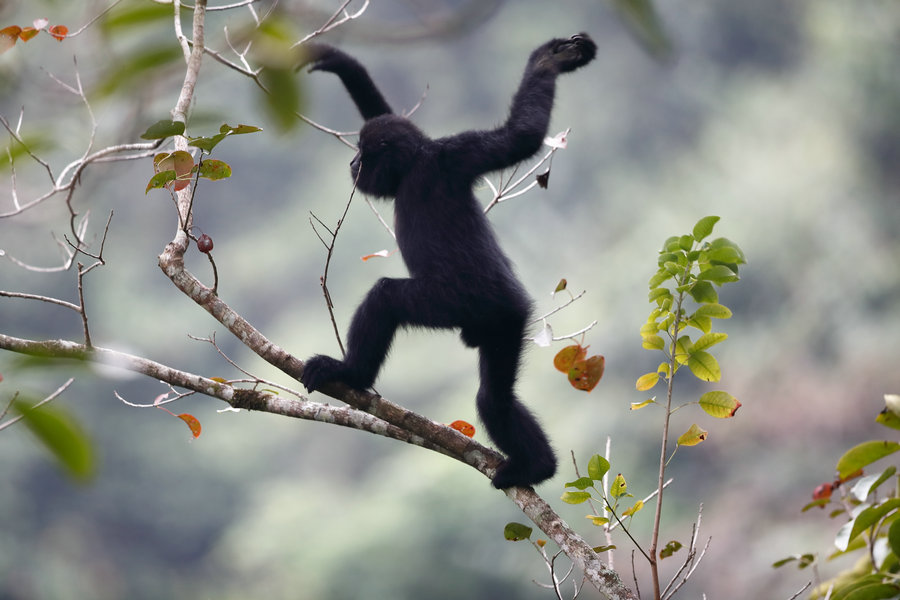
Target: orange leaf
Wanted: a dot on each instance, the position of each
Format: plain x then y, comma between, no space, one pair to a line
568,356
27,33
585,374
8,37
59,32
192,422
379,254
467,429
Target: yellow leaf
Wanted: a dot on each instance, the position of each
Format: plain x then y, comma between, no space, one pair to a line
630,511
646,381
639,405
692,436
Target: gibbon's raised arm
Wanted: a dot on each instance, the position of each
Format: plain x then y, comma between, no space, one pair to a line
353,75
521,136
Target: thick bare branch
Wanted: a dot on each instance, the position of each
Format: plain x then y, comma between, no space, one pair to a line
249,399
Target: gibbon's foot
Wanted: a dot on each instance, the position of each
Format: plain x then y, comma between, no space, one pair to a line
321,369
522,473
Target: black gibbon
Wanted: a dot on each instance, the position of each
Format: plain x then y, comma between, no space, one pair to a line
459,276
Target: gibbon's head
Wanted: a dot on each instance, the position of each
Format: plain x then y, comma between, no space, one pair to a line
387,149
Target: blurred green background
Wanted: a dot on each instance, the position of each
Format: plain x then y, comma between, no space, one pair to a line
782,118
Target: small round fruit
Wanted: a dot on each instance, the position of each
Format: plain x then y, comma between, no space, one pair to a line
205,244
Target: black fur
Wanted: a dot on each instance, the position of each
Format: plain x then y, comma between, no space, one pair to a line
460,277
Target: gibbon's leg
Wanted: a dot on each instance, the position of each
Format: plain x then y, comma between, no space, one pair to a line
390,304
513,428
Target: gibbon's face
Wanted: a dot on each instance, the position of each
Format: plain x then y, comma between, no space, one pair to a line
387,150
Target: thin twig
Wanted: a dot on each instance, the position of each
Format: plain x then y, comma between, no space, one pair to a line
49,398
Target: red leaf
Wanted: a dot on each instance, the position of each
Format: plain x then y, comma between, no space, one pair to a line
585,374
192,422
59,32
463,427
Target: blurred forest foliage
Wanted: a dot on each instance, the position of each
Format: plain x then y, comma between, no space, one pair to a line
782,118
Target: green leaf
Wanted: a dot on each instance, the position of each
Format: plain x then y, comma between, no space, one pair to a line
703,292
661,276
284,100
597,467
700,322
717,274
686,242
36,143
597,520
864,520
163,129
214,169
803,560
872,591
515,532
704,227
709,339
888,419
582,483
894,537
719,243
863,455
207,143
135,14
160,180
670,549
704,366
671,244
683,350
61,435
726,255
715,311
239,129
657,294
645,24
575,497
721,405
134,70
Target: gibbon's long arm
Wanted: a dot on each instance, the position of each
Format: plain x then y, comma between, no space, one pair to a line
353,75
